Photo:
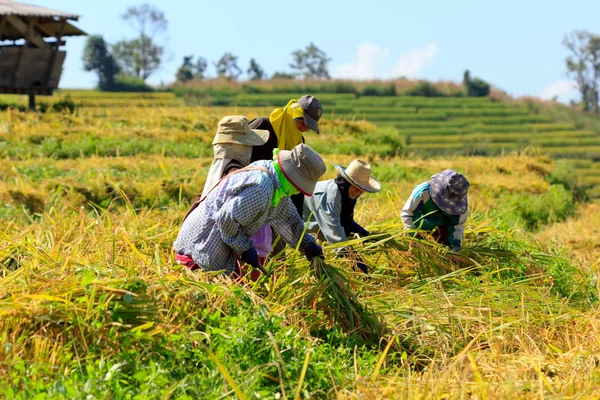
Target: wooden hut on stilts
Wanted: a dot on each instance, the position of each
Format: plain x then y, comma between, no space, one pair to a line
30,40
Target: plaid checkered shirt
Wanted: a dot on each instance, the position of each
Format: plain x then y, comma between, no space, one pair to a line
221,226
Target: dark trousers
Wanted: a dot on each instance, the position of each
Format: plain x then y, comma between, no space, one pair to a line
441,235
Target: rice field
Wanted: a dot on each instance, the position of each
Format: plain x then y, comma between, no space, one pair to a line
416,125
92,304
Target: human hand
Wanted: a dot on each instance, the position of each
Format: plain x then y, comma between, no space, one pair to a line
359,230
362,232
362,266
250,257
313,250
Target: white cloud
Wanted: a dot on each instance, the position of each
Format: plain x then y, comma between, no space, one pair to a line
375,62
563,90
369,61
414,61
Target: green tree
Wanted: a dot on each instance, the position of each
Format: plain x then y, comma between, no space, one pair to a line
282,75
255,72
583,64
200,68
142,56
185,73
96,57
311,62
475,87
227,67
138,57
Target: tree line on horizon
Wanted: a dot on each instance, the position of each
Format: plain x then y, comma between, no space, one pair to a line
308,63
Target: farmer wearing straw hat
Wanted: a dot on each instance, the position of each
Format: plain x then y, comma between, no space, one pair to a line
286,127
439,203
222,224
232,148
330,211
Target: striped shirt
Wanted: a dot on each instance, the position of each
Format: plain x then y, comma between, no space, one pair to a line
221,226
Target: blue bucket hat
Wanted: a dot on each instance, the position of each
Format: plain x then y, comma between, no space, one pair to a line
449,190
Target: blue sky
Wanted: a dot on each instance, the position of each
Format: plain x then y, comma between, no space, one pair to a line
516,45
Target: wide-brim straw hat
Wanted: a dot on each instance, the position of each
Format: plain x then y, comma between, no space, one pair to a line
358,173
234,129
302,166
449,190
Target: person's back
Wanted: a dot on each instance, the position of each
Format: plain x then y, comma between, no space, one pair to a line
439,204
286,127
265,151
209,247
223,223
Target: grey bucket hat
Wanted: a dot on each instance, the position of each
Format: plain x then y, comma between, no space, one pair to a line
313,110
449,190
302,166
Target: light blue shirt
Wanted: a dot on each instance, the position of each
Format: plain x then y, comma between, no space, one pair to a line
326,206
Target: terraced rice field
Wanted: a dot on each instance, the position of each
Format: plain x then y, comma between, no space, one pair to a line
422,126
466,126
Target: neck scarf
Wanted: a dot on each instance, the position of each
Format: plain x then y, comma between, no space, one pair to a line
348,204
282,120
225,154
286,189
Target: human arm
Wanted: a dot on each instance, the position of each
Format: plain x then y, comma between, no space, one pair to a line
456,231
290,226
326,209
350,253
408,210
359,230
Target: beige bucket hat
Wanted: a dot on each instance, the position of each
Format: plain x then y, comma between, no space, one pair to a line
234,129
358,174
302,166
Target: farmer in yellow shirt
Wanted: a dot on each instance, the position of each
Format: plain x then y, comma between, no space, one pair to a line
286,127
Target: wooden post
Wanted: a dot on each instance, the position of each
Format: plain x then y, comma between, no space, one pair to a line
21,51
50,68
31,101
2,25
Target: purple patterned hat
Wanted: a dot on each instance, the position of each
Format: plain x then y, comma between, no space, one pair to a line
449,190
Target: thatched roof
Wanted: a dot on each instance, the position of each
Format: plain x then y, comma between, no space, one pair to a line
47,22
9,7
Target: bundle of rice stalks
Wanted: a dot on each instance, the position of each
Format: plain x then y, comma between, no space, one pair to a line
332,294
430,258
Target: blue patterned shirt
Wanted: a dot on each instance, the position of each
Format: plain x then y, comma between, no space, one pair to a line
221,226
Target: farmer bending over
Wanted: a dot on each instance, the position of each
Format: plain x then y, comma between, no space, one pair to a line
286,127
333,202
221,226
232,148
439,203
